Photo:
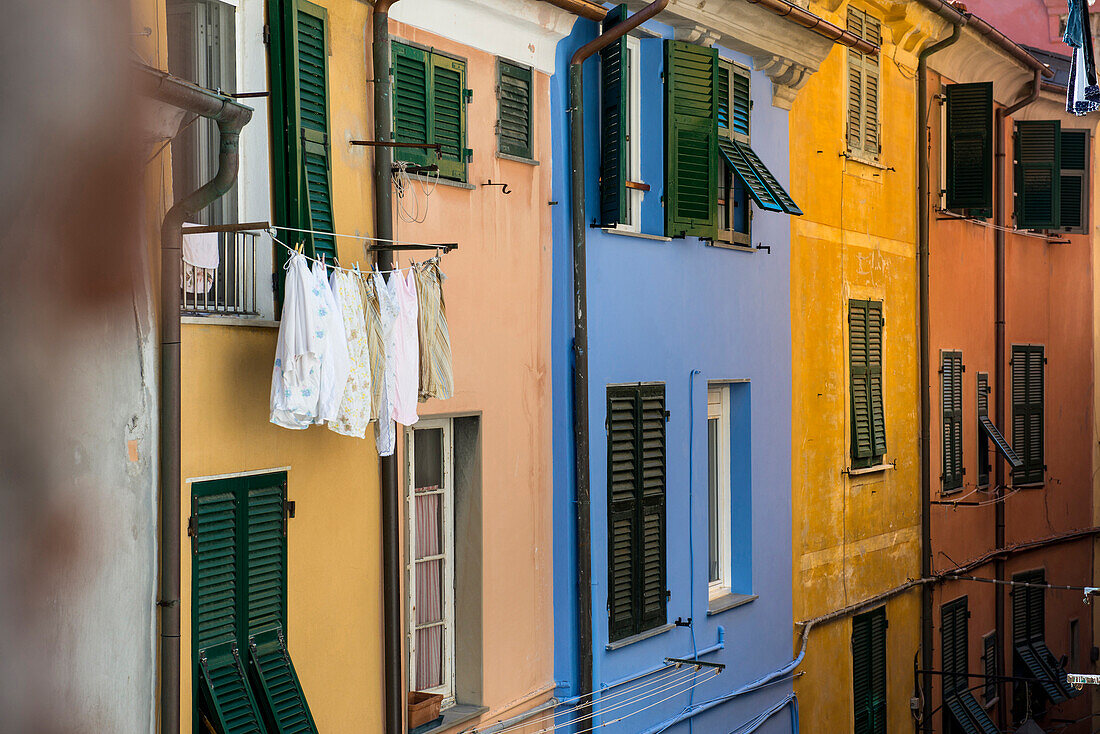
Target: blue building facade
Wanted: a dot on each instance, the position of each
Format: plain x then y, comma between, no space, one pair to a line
703,324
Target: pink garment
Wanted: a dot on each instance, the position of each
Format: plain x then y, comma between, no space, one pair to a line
406,355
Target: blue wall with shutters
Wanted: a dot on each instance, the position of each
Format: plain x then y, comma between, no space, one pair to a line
657,311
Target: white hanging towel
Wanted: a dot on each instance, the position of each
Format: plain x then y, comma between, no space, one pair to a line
335,364
296,378
403,399
201,257
388,309
355,408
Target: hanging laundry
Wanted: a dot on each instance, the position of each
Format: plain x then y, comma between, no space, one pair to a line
355,409
1083,92
201,257
296,378
436,372
376,344
335,364
388,310
406,352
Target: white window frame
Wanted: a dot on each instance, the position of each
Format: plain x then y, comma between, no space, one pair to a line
447,689
718,408
634,137
727,235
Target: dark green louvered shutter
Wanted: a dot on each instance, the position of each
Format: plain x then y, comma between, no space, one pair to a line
514,109
266,529
869,671
951,369
1038,174
614,124
447,122
279,690
214,569
311,80
652,501
865,355
982,390
953,635
970,148
411,83
622,483
1073,196
874,367
691,147
863,85
228,699
990,666
1027,412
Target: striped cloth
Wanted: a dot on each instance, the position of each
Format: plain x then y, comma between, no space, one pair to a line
436,373
376,347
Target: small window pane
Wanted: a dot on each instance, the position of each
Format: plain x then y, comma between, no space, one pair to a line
712,505
429,459
429,591
429,657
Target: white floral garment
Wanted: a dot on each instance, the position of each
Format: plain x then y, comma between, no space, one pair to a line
296,378
355,409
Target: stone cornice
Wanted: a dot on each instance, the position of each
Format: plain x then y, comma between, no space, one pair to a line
974,59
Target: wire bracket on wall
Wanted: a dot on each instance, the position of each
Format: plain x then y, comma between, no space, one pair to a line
698,663
761,246
391,144
503,186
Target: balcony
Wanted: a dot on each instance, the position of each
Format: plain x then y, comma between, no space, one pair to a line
243,260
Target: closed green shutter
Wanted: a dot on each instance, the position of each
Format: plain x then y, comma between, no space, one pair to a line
448,114
636,509
982,390
429,92
970,148
691,148
410,103
1073,196
514,109
266,556
282,700
874,366
951,369
614,124
863,85
214,569
869,671
228,701
865,360
953,636
990,666
1027,412
1038,174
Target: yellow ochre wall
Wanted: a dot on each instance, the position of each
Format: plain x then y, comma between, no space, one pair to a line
853,536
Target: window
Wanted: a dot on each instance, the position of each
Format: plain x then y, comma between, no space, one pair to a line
636,591
863,87
1038,152
982,397
1074,196
242,667
694,104
302,150
621,187
865,324
432,562
515,121
969,148
869,671
719,507
1032,658
429,106
734,111
991,667
951,371
1027,412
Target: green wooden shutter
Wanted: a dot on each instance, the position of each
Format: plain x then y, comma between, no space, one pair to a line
970,148
750,177
786,203
862,128
410,103
311,81
953,635
514,109
691,148
447,121
874,367
878,670
951,369
854,122
869,671
1073,196
982,390
283,702
1038,174
1020,632
652,501
622,482
215,582
860,377
1036,613
266,530
1027,412
224,686
990,666
614,124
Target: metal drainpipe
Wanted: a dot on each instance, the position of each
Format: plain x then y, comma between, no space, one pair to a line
923,223
387,465
582,505
999,360
231,117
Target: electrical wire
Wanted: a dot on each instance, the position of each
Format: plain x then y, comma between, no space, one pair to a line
354,271
990,225
1028,584
405,188
704,678
366,238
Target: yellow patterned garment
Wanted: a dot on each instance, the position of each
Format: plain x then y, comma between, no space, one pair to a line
436,372
355,409
376,346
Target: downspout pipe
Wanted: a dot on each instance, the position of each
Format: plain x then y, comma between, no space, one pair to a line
924,208
582,478
999,219
394,689
231,117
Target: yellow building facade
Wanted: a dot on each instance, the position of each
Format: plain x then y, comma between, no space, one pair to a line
856,495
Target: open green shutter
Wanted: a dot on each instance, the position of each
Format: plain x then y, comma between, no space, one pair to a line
447,118
1038,174
282,700
318,200
740,104
410,103
1027,412
1073,196
266,532
311,82
786,203
622,484
652,499
614,124
970,147
228,697
514,109
754,183
691,147
951,370
215,582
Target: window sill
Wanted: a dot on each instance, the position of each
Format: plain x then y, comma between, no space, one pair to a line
230,321
441,181
1032,485
629,233
639,637
458,714
863,158
731,246
728,601
517,158
869,469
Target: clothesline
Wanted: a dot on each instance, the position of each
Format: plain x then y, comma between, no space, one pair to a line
353,270
1011,230
429,245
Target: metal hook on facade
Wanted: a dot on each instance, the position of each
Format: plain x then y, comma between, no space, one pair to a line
503,186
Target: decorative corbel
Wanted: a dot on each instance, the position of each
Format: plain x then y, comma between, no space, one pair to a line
787,78
698,34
